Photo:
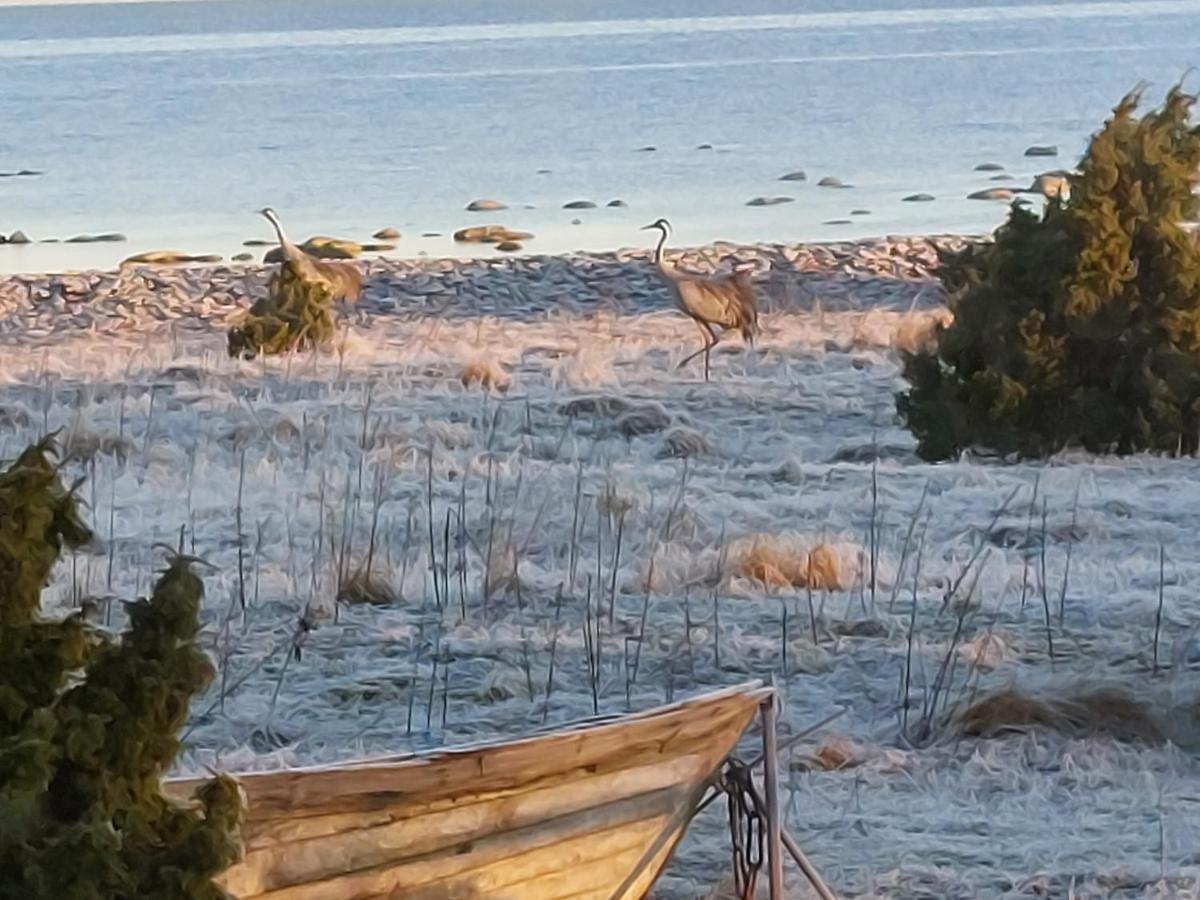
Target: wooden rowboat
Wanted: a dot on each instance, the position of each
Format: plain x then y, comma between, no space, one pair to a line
592,810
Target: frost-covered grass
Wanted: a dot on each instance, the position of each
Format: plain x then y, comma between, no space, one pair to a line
602,492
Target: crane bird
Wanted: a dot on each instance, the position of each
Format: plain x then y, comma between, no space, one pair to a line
344,282
726,301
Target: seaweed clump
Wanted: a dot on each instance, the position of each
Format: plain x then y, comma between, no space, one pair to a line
88,723
1079,327
296,314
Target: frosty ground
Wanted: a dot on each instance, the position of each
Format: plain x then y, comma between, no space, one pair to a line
480,481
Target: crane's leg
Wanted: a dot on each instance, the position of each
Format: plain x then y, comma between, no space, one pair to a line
710,339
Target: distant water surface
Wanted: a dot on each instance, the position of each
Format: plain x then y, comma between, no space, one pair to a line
172,122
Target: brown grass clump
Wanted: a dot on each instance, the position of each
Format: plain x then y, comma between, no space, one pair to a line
487,374
1111,711
836,752
777,562
368,588
917,332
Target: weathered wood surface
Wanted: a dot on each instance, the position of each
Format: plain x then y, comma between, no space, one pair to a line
567,814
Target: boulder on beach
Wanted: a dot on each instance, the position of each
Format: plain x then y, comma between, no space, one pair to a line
1051,184
169,258
989,167
579,204
19,237
110,237
490,234
919,198
830,182
485,206
386,234
323,247
768,201
996,193
798,175
1044,150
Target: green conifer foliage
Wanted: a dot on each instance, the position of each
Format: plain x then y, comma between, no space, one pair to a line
88,724
1081,326
297,313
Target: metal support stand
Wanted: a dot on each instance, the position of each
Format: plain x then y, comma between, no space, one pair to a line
771,790
777,837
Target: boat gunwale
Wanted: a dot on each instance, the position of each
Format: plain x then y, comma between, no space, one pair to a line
753,689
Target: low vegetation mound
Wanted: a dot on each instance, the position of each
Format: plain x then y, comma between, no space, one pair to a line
1079,326
88,723
296,314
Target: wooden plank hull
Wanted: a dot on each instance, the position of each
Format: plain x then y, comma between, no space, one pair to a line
567,814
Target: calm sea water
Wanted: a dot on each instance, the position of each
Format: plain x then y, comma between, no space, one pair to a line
172,122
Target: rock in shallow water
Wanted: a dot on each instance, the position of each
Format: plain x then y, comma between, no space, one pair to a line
919,198
992,194
489,234
485,206
798,175
579,204
830,182
169,258
989,167
386,234
109,237
768,201
1046,150
509,246
617,204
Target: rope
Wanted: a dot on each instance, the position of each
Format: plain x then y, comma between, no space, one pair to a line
747,826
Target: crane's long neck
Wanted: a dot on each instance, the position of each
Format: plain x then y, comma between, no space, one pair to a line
283,241
660,258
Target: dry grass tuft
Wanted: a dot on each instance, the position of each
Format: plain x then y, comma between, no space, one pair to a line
368,588
682,442
779,561
1111,711
838,751
487,374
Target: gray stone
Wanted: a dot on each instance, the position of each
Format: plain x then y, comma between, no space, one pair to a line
485,206
509,247
1046,150
386,234
243,257
798,175
768,201
579,204
919,198
831,182
989,167
860,212
617,204
993,194
647,149
19,237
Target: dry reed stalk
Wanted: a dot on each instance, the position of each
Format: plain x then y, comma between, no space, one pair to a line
1045,599
1028,537
1062,594
558,598
908,535
1162,562
241,538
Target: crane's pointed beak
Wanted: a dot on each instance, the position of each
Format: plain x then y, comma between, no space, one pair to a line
650,227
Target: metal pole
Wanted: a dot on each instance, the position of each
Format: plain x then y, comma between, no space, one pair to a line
810,872
771,789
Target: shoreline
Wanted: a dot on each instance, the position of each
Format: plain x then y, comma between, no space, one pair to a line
870,273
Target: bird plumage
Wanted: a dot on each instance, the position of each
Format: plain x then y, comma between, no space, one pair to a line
344,282
724,301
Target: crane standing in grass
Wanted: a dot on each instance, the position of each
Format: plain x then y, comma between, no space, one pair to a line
344,282
726,301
